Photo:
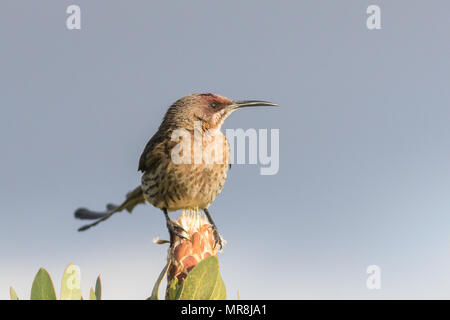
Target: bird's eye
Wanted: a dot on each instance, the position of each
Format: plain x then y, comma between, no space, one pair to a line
213,105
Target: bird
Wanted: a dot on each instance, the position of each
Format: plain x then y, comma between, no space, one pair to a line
178,170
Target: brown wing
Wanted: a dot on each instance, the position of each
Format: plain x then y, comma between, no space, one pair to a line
148,159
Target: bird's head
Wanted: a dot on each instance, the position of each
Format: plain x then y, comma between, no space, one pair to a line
211,109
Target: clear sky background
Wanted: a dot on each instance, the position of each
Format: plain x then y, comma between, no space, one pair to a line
364,141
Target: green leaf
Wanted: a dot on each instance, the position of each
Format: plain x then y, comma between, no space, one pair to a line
98,288
155,291
92,295
42,288
71,283
220,291
175,290
13,294
204,282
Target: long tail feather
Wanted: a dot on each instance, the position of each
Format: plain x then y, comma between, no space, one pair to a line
133,198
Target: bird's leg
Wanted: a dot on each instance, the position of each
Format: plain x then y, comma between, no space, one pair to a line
218,239
174,228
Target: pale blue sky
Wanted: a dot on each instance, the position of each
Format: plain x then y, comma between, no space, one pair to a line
364,141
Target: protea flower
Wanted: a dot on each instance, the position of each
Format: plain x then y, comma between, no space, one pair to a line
185,254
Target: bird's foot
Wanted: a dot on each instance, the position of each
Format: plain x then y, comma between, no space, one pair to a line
175,229
217,237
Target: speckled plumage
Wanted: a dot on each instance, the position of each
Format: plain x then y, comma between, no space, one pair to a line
171,186
182,186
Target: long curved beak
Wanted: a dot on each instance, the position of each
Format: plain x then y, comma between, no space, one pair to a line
251,103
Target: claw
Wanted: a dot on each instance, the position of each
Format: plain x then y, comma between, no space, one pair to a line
217,238
175,229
